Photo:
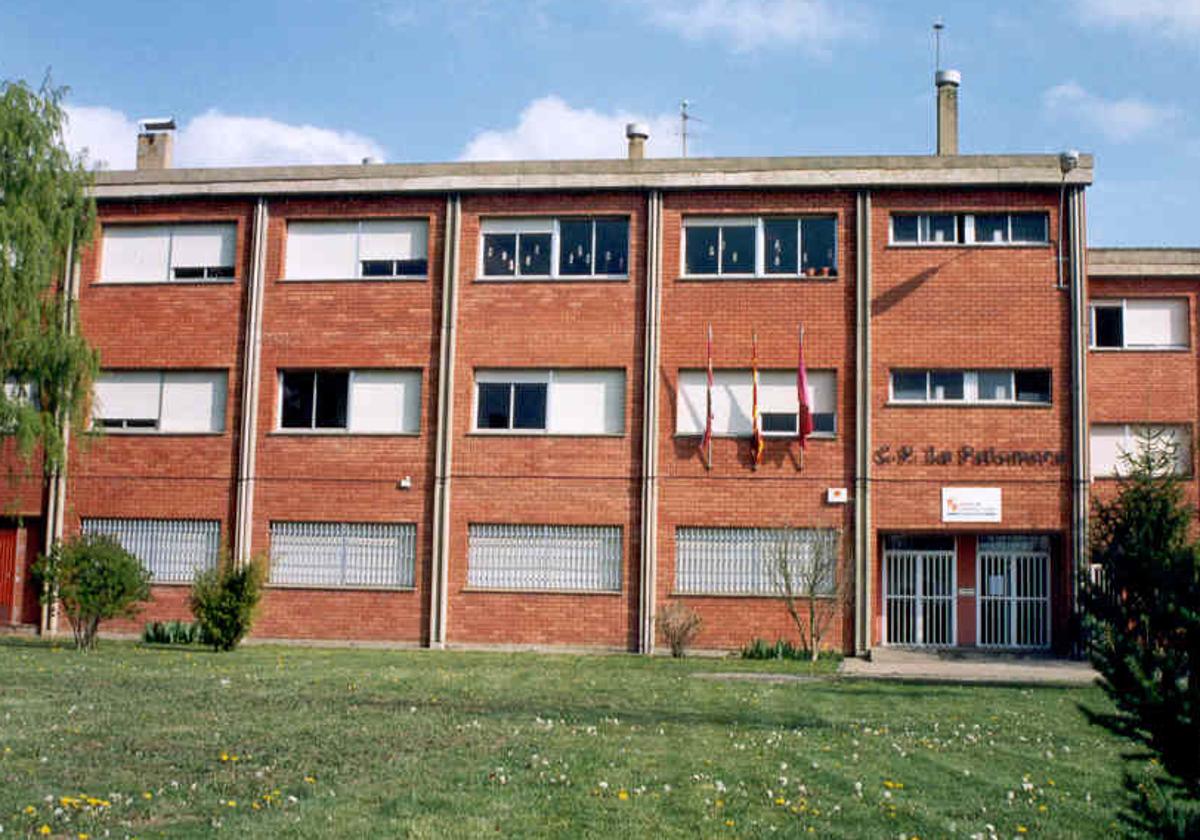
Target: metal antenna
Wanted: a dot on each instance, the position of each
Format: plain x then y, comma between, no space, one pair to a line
938,26
683,125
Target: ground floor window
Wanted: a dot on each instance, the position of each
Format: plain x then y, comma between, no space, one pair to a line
344,554
751,561
584,558
173,550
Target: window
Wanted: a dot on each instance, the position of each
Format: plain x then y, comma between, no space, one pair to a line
789,247
172,550
160,401
549,248
378,249
745,561
167,253
733,402
570,558
970,228
1145,324
559,401
1112,444
343,554
984,387
356,401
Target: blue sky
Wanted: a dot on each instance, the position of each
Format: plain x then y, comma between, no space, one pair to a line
269,81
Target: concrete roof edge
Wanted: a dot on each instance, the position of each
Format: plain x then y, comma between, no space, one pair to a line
1144,262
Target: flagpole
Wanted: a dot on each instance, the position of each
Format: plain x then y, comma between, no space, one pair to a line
800,397
709,412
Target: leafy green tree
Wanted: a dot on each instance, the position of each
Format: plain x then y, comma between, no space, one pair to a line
93,579
47,216
1143,623
225,599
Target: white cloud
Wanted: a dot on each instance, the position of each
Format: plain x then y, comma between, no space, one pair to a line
216,139
1169,18
1119,120
549,128
813,26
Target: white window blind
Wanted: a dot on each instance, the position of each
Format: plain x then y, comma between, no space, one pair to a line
1111,442
343,554
1156,323
394,240
135,253
581,558
193,401
166,401
540,225
322,250
385,401
173,550
749,561
733,398
128,395
587,402
202,245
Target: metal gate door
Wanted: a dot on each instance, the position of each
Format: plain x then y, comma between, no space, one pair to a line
1014,592
919,597
8,574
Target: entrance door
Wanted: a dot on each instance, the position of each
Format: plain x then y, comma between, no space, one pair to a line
919,580
8,574
1014,592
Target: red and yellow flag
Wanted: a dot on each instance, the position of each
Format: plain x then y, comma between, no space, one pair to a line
804,421
757,440
706,443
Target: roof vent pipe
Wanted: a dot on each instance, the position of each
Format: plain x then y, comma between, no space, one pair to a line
638,134
156,136
947,111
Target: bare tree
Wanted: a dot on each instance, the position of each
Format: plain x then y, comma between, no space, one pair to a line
809,582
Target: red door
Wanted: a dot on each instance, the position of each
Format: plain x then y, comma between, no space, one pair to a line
8,573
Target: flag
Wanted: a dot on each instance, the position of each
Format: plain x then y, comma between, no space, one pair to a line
757,440
706,443
804,421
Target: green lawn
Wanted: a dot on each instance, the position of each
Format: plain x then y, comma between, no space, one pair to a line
295,742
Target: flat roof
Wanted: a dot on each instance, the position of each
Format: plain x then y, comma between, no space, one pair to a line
616,174
1144,262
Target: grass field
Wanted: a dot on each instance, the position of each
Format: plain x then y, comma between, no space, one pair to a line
134,741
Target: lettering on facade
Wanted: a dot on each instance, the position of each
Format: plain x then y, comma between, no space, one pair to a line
963,456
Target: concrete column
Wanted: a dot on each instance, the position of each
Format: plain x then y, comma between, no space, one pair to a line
243,526
650,410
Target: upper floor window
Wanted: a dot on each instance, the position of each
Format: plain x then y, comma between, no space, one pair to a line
970,228
987,387
167,253
1145,324
160,401
355,401
558,402
733,402
554,248
1114,445
378,249
760,247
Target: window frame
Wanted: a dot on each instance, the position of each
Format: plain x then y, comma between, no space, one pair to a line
964,224
156,429
812,372
511,226
760,241
407,532
1122,304
348,429
358,276
971,394
169,279
1129,436
537,376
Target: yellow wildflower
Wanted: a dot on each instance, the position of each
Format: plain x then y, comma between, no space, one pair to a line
622,794
232,803
729,823
1022,829
779,800
45,829
224,756
233,758
84,836
30,810
1042,809
147,795
310,780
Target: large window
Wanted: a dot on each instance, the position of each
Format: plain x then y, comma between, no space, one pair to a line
167,253
760,247
550,248
559,401
1113,444
572,558
982,387
778,402
750,561
376,249
1140,324
356,401
970,228
160,401
344,554
172,550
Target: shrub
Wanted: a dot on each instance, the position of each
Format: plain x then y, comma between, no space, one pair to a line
93,579
170,633
782,649
224,600
679,625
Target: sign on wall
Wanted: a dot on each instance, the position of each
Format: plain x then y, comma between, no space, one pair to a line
970,504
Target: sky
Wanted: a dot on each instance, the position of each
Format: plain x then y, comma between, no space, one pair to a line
259,82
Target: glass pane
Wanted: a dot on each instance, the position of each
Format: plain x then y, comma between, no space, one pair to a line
499,254
1033,386
918,543
908,385
942,228
574,247
701,249
991,227
995,385
819,239
188,272
412,268
377,268
1109,327
737,250
297,401
778,422
332,388
493,405
612,246
825,423
530,409
780,237
535,253
904,228
946,384
1029,227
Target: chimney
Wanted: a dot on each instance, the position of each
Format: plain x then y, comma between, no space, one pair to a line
637,133
947,111
156,136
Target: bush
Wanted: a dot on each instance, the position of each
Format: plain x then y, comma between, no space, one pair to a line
170,633
224,600
782,649
679,625
93,579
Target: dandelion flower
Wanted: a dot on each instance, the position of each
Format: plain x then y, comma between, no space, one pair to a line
1022,829
45,829
30,810
622,794
147,795
232,803
310,780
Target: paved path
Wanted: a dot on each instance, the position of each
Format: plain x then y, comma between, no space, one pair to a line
968,667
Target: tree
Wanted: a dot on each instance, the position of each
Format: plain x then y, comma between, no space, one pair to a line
47,216
93,579
806,572
1142,618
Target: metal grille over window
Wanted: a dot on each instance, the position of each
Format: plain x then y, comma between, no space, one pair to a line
343,554
173,550
580,558
746,561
